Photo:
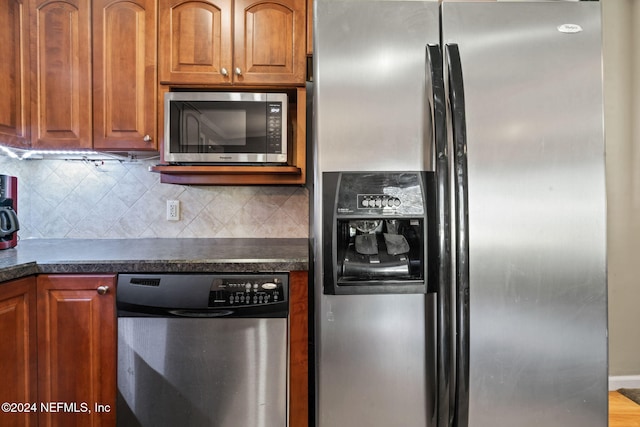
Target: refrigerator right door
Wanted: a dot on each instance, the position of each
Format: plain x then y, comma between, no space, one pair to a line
532,298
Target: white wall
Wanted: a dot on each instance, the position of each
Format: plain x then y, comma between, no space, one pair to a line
621,22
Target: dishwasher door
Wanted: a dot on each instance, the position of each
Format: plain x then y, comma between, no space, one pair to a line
223,372
202,350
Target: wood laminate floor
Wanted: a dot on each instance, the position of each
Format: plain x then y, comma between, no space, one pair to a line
623,412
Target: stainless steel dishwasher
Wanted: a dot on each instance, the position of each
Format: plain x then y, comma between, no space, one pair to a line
202,350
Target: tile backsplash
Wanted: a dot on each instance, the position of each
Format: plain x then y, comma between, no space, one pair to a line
114,199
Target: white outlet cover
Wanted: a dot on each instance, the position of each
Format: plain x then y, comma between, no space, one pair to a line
173,210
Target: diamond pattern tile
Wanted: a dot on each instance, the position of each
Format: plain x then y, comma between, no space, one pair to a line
113,199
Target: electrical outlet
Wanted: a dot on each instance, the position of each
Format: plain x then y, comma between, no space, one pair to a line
173,210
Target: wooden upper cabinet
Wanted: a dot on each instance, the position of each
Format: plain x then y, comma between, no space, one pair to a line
195,42
124,74
14,74
270,41
224,42
61,63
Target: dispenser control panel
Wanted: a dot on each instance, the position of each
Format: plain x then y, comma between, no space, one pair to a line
368,201
391,193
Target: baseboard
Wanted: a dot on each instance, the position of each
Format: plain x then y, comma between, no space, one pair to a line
624,381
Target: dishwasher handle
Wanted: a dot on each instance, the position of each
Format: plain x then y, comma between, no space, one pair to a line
274,310
201,313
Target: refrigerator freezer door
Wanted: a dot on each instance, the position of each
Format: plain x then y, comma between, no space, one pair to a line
376,360
536,212
369,60
375,354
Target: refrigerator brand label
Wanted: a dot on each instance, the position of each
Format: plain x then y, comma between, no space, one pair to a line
569,28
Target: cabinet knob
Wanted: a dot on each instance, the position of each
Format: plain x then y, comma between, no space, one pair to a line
224,72
238,71
102,290
147,138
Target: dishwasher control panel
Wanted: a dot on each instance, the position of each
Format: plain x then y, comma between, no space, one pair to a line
247,290
203,294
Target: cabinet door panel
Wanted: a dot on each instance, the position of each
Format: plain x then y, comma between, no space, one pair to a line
124,58
77,348
14,75
270,43
18,358
61,51
195,41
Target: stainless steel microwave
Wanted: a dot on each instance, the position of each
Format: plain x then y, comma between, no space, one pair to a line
225,127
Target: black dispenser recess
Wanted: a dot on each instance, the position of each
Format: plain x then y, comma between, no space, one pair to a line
377,227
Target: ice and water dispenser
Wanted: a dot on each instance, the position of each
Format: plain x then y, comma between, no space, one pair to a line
376,232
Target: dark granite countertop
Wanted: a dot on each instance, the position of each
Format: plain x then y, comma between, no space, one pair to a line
34,256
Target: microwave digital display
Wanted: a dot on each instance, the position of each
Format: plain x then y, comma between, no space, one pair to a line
222,127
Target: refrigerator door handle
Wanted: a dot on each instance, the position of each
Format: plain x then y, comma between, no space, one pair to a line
459,135
438,111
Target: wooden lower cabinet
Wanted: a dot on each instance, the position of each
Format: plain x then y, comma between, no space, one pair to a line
18,357
58,353
77,349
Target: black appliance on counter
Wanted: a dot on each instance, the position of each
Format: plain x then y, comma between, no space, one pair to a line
9,224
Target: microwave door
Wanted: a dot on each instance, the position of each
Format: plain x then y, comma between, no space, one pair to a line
215,130
192,140
200,135
228,128
213,137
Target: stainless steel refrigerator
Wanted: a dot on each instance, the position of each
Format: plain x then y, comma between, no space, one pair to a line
459,214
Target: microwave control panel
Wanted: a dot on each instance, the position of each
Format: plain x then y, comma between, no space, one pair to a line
274,127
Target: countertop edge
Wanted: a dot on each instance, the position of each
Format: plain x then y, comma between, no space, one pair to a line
28,269
173,267
100,257
18,271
